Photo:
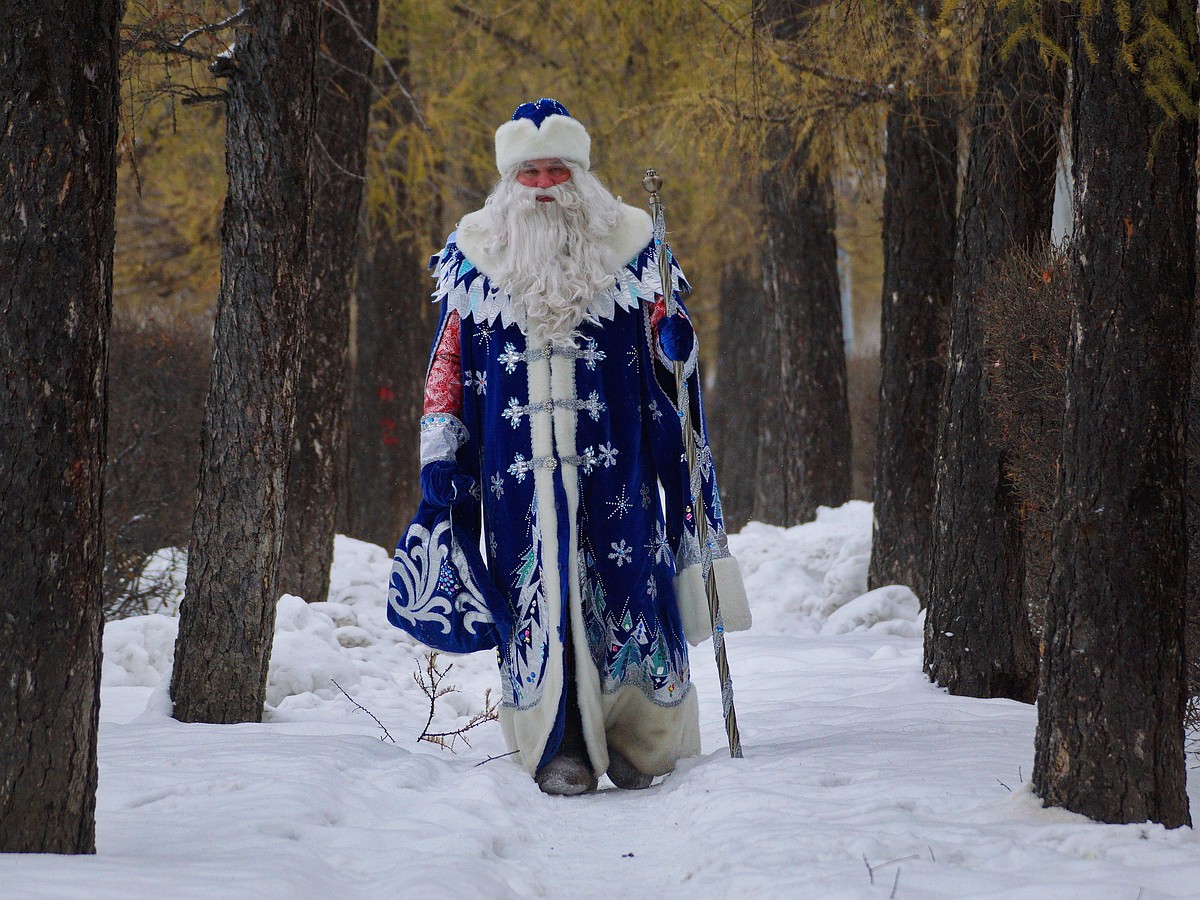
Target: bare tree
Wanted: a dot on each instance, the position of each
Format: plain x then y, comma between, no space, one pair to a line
977,636
1110,715
228,613
315,479
918,275
59,105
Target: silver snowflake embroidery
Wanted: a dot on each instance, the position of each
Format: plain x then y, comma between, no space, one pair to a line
655,412
493,543
519,467
484,333
621,505
607,454
645,496
514,412
477,380
497,487
622,553
587,460
651,588
659,546
591,354
510,357
593,405
633,356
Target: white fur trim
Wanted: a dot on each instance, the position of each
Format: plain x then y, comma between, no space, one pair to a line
587,677
560,137
693,600
527,730
480,300
650,736
622,244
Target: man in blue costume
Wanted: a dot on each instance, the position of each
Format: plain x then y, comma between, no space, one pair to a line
551,422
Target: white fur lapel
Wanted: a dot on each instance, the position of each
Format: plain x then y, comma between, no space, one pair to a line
623,243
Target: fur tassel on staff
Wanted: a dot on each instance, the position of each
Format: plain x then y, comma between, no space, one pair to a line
652,182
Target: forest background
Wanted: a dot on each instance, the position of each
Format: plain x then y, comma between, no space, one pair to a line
685,87
1030,473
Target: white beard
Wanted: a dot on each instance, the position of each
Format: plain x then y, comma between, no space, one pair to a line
551,256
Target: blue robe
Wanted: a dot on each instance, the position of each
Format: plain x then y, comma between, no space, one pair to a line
569,447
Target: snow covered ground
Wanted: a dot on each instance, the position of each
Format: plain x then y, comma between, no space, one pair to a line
860,779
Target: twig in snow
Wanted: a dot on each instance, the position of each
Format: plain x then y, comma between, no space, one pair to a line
899,859
431,684
358,705
490,758
895,884
931,856
1003,785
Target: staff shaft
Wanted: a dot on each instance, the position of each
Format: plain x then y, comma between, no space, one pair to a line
652,182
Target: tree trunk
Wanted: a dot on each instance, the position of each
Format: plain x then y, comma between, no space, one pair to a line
918,276
315,477
804,439
977,637
58,65
1110,716
228,614
736,396
395,321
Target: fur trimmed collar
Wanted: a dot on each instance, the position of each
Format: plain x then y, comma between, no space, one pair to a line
625,242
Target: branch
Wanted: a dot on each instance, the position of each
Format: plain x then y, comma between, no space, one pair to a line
339,7
333,162
146,38
358,705
491,758
433,690
491,30
215,26
218,97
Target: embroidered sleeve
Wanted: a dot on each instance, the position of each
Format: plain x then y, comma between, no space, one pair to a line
442,430
443,385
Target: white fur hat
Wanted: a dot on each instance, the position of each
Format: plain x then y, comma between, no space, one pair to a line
541,129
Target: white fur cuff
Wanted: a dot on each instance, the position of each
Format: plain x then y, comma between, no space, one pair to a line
693,600
560,137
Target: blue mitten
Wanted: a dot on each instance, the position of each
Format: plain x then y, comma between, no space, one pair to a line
675,336
442,484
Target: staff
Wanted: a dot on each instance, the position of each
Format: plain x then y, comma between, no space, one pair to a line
652,182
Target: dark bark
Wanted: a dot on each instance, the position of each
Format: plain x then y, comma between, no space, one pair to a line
736,396
228,614
394,324
918,275
804,438
1110,715
316,474
58,132
977,636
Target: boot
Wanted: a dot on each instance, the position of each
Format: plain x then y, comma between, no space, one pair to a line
570,771
566,776
624,774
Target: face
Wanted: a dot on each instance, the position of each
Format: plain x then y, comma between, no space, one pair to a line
543,173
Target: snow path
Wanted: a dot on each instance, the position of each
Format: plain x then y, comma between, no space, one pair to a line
860,779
